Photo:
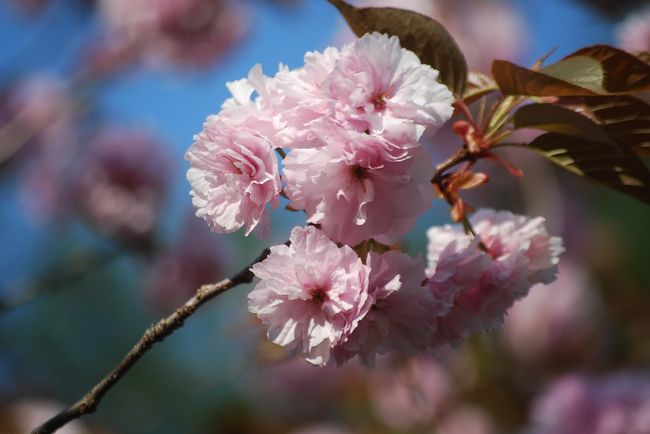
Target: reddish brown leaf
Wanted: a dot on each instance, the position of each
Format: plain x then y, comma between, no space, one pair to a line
624,72
557,119
424,36
611,164
517,80
624,117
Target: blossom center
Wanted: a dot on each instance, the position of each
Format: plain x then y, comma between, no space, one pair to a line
359,172
235,166
318,295
380,102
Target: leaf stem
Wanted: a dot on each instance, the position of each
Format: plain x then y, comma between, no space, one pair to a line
460,104
460,156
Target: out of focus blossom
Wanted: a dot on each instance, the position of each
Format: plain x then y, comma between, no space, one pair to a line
400,317
633,33
26,414
120,183
39,135
30,6
415,394
35,7
180,32
40,106
502,36
563,319
617,404
466,420
191,261
474,288
312,294
289,381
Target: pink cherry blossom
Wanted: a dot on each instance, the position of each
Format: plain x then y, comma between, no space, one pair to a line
507,235
370,85
355,191
474,289
312,294
399,319
234,171
575,404
297,97
377,84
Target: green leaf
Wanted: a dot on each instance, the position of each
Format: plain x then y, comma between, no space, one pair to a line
424,36
517,80
558,119
625,118
611,164
623,72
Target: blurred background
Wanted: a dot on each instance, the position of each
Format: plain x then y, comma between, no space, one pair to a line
99,101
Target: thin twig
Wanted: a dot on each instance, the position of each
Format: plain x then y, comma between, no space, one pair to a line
460,156
156,333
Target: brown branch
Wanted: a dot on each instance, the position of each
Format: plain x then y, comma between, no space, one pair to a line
156,333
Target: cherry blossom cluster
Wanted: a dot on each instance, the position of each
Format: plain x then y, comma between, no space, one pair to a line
348,126
351,120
